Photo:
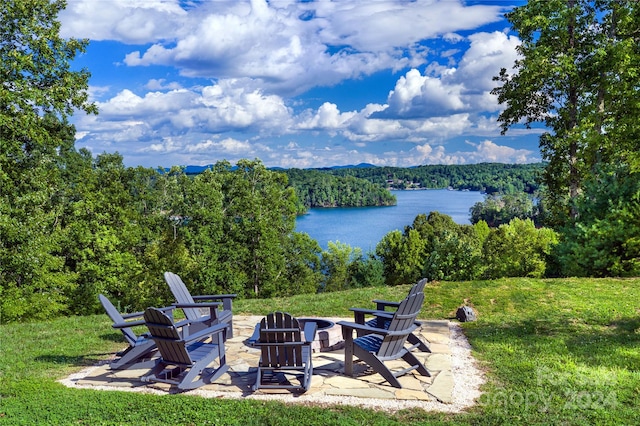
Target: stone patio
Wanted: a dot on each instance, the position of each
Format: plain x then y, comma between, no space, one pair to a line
328,384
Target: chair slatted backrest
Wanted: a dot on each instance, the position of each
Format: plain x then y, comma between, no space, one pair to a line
403,320
168,340
182,294
280,341
418,287
117,318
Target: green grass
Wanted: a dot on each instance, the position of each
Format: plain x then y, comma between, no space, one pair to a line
554,351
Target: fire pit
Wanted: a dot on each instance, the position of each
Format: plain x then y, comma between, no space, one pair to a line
328,335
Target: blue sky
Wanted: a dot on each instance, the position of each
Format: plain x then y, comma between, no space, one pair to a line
296,83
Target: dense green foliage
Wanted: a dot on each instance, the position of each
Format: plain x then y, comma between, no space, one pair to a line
117,229
437,248
344,267
579,74
317,189
517,249
554,352
500,209
605,239
487,177
38,93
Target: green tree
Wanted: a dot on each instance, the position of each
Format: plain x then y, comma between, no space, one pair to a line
578,75
102,234
605,240
496,210
38,93
366,271
200,220
303,259
518,249
402,256
258,217
549,84
336,262
452,250
433,247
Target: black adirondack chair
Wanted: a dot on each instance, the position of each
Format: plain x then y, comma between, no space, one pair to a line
192,306
374,345
141,348
184,362
382,315
285,348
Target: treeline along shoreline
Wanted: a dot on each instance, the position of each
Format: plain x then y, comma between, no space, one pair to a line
366,185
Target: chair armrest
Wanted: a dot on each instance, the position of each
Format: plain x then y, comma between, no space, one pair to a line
209,331
128,324
382,304
227,299
132,315
215,296
310,329
359,314
348,327
213,309
140,315
255,337
198,305
374,312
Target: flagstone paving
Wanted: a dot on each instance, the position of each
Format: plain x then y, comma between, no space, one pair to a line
328,372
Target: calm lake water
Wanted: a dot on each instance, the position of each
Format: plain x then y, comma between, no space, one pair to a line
364,227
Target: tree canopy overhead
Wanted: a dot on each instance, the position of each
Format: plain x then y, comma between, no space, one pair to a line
578,75
35,72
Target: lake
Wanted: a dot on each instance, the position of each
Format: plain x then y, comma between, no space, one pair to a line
364,227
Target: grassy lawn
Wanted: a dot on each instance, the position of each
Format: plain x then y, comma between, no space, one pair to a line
555,352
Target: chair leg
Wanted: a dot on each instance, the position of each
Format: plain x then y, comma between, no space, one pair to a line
308,372
379,367
415,340
347,334
135,355
415,362
154,372
256,386
197,370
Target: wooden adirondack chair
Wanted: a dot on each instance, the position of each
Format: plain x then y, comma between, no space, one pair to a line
192,309
141,348
284,348
383,316
374,345
183,361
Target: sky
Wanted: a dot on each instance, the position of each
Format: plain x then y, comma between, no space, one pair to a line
296,84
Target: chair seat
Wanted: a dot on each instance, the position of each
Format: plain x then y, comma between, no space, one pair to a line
370,342
379,322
